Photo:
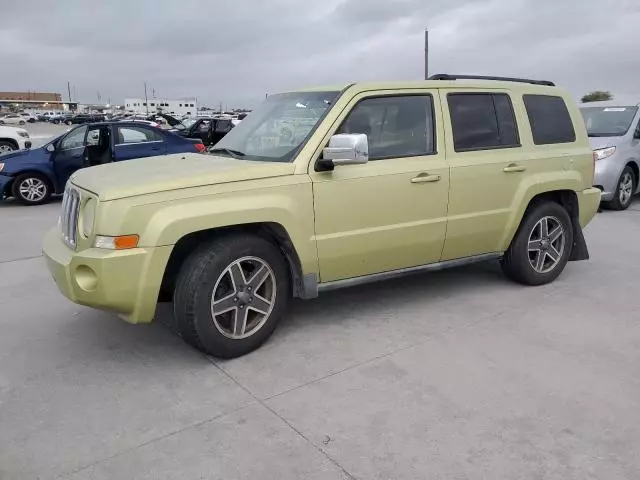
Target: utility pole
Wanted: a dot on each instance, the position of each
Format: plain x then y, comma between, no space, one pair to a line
146,102
69,91
426,54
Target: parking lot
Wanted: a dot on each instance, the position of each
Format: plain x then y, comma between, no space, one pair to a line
457,374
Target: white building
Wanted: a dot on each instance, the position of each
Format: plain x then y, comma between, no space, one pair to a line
185,106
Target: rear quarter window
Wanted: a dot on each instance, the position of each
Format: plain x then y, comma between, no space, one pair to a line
549,119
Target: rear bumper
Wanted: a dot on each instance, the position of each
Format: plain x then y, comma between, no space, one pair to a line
589,202
126,282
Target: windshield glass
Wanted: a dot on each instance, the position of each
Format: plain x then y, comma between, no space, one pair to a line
184,124
608,121
279,128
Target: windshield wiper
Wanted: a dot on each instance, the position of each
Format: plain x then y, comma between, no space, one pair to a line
228,151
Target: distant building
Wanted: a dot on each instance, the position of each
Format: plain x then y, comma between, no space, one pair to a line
32,100
185,106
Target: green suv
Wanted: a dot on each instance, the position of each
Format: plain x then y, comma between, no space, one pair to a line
331,187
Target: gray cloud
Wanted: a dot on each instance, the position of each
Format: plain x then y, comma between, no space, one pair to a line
235,52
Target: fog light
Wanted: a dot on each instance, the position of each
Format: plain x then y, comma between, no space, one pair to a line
86,278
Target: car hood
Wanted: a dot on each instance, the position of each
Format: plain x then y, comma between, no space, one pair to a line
171,172
20,159
603,142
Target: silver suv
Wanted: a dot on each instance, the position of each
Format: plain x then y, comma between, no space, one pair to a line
614,134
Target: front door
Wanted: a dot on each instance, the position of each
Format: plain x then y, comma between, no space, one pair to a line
488,168
202,130
219,130
133,141
69,155
389,213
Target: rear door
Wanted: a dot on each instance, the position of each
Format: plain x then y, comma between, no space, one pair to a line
137,141
69,154
488,168
221,128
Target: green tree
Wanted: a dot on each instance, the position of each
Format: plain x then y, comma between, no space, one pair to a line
597,96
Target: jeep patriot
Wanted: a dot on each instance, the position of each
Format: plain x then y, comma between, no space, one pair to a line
330,187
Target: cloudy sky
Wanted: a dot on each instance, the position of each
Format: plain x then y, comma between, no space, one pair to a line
236,51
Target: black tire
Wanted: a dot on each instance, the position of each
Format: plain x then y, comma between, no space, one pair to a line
620,201
6,145
68,122
194,290
21,198
21,122
56,122
517,260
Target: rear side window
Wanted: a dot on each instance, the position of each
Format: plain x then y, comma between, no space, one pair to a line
482,121
549,119
136,135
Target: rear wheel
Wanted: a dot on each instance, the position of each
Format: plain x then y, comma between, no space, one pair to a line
230,295
21,122
31,189
542,246
627,184
7,147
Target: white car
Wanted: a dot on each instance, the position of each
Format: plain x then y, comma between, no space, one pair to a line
12,139
12,119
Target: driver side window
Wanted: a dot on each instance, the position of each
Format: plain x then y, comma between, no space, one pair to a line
74,139
396,126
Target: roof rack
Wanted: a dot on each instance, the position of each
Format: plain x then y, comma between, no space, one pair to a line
446,76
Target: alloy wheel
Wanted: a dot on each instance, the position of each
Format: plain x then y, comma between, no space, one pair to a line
546,244
5,149
33,189
243,297
626,188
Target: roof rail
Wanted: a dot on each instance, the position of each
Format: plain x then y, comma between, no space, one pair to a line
446,76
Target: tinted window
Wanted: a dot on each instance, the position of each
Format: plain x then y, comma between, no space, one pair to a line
223,125
395,126
506,120
74,139
482,120
137,135
549,118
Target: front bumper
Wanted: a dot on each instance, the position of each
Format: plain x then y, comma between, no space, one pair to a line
126,282
606,175
588,202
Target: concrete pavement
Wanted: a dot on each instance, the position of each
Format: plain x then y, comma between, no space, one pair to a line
456,374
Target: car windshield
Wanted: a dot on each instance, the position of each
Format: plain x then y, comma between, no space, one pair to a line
608,121
279,128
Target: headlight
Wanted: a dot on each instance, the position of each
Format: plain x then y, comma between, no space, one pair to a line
88,215
602,153
24,134
1,166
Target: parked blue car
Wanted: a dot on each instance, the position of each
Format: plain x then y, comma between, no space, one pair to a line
32,176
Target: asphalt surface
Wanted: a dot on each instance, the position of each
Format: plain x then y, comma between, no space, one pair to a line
452,375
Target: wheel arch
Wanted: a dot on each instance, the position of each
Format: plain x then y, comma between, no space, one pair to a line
569,200
271,231
10,140
47,178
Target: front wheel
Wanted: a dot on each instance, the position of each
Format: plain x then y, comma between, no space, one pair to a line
627,184
31,189
21,122
230,295
542,246
7,147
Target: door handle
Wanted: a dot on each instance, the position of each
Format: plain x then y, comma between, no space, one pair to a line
425,178
514,168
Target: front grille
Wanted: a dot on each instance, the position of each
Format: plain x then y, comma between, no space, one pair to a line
69,216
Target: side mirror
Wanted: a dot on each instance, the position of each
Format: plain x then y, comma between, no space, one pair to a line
345,149
50,148
637,133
